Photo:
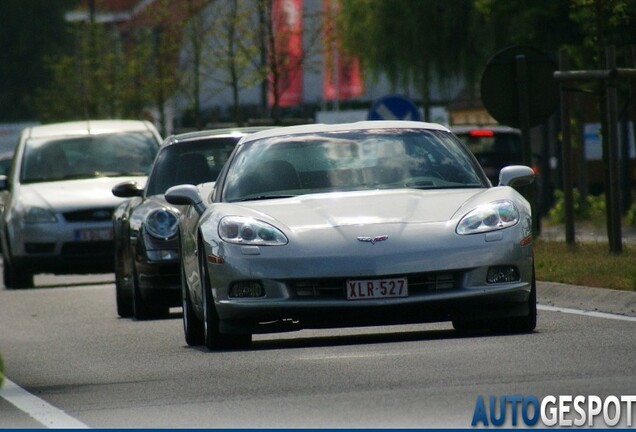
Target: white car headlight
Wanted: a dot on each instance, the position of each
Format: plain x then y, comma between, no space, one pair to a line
489,217
243,230
162,223
36,215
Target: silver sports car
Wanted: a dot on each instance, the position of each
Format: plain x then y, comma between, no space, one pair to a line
371,223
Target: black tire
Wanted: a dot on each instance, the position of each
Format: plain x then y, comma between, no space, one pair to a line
192,325
213,338
16,277
471,326
524,324
122,294
141,311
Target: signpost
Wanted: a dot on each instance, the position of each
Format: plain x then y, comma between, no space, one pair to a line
394,107
518,90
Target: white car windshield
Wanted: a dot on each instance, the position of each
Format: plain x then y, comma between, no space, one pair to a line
105,155
352,160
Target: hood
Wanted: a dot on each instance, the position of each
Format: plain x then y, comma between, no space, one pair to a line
75,194
363,208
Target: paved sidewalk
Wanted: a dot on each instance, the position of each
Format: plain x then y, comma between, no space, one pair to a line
584,233
587,298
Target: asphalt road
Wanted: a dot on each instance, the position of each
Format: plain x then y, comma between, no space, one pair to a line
69,358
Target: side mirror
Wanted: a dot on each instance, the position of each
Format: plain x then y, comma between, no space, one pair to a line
185,194
127,189
516,176
4,182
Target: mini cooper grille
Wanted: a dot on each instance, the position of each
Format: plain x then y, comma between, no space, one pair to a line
89,215
335,288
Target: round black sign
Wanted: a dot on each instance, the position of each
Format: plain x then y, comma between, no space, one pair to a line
499,86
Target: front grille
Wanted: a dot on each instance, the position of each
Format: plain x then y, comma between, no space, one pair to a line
334,288
38,248
90,215
89,248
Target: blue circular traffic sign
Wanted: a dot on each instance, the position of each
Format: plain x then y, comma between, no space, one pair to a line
394,107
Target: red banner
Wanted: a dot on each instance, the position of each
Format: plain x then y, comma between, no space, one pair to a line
287,26
342,73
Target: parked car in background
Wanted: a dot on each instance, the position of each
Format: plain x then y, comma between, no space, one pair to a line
5,162
147,271
494,147
57,196
370,223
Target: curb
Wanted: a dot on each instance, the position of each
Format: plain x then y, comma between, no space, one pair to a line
587,298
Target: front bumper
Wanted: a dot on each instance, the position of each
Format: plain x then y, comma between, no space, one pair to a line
264,315
447,276
160,283
63,247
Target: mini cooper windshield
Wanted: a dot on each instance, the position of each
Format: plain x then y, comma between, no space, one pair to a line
350,161
102,155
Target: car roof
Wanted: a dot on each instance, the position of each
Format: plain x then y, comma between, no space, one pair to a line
210,133
87,127
320,127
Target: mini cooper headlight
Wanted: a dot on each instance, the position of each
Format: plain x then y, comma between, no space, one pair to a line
243,230
489,217
162,223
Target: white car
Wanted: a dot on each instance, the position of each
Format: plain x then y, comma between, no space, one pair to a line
57,196
370,223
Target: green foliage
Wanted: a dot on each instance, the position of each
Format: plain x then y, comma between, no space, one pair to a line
630,218
31,32
415,42
592,208
587,264
110,74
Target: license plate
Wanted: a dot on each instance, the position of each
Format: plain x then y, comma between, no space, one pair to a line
377,288
95,234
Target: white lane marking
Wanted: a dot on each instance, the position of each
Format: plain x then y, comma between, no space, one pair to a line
587,313
42,411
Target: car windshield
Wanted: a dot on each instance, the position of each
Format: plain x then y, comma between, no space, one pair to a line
349,161
189,163
104,155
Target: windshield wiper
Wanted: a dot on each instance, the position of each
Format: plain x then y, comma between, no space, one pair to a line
265,197
119,173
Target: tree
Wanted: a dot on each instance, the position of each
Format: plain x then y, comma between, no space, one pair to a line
95,80
278,63
31,32
220,44
415,43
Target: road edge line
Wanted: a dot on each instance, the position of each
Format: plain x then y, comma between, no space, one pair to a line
40,410
594,314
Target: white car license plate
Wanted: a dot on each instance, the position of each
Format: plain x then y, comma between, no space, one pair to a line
94,234
377,288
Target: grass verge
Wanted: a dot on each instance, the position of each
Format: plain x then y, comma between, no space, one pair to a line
588,264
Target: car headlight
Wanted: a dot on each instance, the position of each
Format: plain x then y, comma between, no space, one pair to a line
162,223
489,217
243,230
39,215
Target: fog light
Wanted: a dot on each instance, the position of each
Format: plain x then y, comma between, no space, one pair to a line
245,289
502,274
162,255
